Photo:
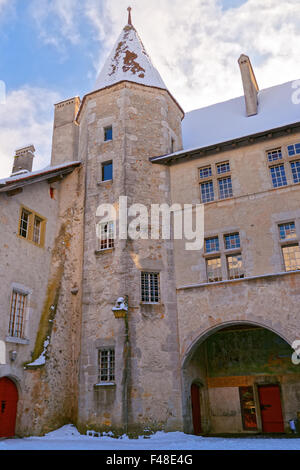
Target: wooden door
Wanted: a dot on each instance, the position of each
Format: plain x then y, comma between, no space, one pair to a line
196,409
271,410
8,407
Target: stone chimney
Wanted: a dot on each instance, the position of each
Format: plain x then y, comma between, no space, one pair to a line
250,85
23,159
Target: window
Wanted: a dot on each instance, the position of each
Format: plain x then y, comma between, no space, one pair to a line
207,192
108,133
106,365
295,166
223,168
225,188
232,241
278,176
107,236
291,256
205,172
287,231
150,288
212,245
214,269
24,223
274,155
235,267
293,149
107,171
32,227
17,314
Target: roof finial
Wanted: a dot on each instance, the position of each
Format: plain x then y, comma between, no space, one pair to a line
129,15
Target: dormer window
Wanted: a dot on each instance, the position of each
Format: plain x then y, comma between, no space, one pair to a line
108,133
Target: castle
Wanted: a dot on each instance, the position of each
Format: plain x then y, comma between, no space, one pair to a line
138,335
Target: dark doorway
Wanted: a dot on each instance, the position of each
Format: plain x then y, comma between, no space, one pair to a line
196,409
8,407
271,410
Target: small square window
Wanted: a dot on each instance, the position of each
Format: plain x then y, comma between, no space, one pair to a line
207,192
293,149
214,270
287,231
291,256
223,168
278,176
106,365
274,155
150,288
232,241
107,171
205,172
108,133
212,245
225,188
295,166
235,267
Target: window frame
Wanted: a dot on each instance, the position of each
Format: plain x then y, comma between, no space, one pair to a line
33,216
110,242
150,296
105,130
111,362
14,303
103,166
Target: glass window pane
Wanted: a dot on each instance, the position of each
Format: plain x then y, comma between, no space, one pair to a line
232,241
296,171
291,256
274,155
235,267
212,244
207,192
205,172
150,288
225,188
214,270
287,231
108,133
278,176
107,171
223,168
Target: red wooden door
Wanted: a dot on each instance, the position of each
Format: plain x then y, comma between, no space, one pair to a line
271,411
8,407
196,410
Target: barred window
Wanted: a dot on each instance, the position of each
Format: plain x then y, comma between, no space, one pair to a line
150,287
287,231
106,365
107,236
274,155
205,172
212,244
214,269
17,314
295,166
207,192
291,256
232,241
24,224
278,176
223,168
235,267
293,149
225,188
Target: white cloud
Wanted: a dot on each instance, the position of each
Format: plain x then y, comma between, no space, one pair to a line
26,118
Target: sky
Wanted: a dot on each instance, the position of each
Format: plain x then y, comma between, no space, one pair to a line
52,50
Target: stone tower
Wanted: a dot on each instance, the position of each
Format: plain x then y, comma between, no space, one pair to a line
130,117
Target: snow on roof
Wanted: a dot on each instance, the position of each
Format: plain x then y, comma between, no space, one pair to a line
227,121
129,61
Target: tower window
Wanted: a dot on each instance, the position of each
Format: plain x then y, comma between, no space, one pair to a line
107,236
107,171
108,133
150,288
17,314
106,365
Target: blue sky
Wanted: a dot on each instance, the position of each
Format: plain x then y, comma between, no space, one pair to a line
51,50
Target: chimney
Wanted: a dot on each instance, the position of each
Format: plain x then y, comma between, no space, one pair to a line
23,159
250,85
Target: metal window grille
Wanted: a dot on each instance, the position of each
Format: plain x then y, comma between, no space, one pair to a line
287,231
225,188
205,172
150,287
212,244
274,155
294,149
37,230
24,224
232,241
278,176
235,267
296,171
107,236
17,314
214,270
223,168
291,256
207,192
106,365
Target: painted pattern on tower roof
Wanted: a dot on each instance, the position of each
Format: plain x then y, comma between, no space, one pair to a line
129,61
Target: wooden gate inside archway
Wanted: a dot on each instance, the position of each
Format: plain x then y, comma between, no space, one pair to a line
8,407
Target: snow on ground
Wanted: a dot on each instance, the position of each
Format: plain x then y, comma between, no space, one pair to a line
68,438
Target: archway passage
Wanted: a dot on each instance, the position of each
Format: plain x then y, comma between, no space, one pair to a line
8,407
250,383
196,409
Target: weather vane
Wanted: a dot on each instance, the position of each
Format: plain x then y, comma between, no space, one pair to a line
129,15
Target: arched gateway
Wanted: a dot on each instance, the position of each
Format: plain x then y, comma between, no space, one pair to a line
240,378
8,407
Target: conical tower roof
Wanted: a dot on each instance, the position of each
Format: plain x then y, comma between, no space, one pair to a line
129,61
